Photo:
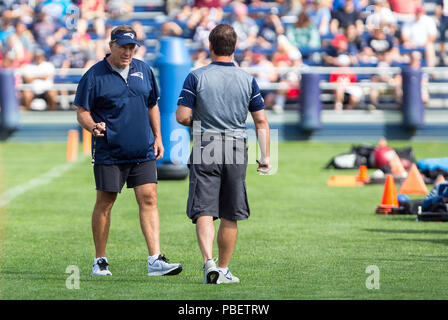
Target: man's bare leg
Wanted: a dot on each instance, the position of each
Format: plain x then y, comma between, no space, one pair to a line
205,230
158,265
101,220
227,236
27,98
146,196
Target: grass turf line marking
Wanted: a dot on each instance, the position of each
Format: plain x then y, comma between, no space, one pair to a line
47,177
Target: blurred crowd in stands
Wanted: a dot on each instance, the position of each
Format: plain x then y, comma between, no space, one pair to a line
38,36
334,33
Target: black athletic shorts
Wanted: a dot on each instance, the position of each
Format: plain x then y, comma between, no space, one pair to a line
218,189
111,177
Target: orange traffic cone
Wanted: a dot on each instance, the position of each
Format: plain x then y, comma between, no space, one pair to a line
72,145
414,183
397,167
390,199
363,174
440,178
86,142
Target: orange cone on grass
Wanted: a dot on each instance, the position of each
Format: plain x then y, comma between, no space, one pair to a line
397,167
390,199
72,145
344,181
363,174
414,183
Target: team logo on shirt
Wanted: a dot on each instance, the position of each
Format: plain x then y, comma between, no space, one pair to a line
137,74
129,34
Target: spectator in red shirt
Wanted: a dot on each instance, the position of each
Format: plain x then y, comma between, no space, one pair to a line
214,5
345,92
94,10
17,51
405,9
339,46
207,3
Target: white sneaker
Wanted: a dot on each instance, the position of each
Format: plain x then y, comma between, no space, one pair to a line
161,267
227,278
101,268
211,273
338,107
277,108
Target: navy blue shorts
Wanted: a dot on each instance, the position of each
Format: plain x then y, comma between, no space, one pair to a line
443,27
111,177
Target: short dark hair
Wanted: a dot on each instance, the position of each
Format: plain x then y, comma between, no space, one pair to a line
223,40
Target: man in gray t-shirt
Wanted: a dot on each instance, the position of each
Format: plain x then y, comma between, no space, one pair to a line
215,101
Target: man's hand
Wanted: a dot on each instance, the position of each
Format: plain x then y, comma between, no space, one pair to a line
158,148
99,129
264,165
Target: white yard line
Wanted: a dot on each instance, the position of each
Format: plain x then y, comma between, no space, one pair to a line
45,178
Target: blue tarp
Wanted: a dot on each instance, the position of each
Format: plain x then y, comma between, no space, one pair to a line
433,164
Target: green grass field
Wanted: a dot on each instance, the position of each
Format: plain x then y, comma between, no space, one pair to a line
304,240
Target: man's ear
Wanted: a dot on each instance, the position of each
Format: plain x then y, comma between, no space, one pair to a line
210,48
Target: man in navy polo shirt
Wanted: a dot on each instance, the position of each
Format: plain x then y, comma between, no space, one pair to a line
116,101
215,101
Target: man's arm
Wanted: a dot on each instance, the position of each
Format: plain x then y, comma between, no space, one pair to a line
263,136
154,118
86,121
405,36
438,11
432,26
183,115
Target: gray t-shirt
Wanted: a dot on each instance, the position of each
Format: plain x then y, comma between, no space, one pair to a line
221,95
123,72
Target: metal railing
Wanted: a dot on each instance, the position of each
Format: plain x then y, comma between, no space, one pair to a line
437,87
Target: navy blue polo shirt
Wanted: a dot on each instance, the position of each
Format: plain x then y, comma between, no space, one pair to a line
123,107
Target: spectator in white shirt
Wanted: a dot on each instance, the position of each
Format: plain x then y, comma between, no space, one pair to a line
39,75
381,16
421,33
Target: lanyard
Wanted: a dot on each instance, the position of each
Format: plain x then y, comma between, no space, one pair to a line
93,151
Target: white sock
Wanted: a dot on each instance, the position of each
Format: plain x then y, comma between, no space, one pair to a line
152,259
223,270
280,100
96,259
